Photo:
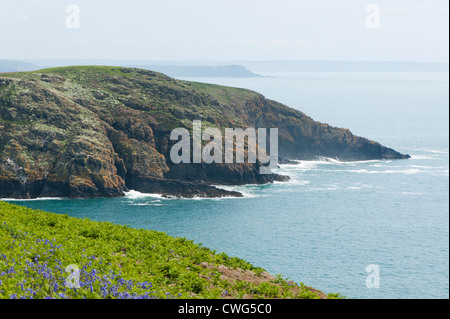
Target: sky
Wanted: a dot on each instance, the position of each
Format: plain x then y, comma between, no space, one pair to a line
226,30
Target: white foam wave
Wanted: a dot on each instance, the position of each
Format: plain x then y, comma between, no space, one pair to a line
424,166
136,195
328,159
422,157
245,194
365,171
337,161
324,188
412,193
312,164
293,181
147,204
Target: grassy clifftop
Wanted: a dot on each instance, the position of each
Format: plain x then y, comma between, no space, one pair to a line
121,262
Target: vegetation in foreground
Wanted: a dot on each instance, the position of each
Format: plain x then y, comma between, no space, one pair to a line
120,262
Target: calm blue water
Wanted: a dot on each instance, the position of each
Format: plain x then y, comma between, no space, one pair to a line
394,214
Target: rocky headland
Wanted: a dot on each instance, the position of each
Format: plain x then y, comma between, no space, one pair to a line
99,131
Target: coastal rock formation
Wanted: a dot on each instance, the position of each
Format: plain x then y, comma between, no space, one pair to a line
98,131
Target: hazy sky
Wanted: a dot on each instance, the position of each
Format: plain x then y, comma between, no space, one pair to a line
409,30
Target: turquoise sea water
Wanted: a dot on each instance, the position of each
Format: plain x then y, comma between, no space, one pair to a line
333,219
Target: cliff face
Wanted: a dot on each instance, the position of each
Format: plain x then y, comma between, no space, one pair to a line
302,138
96,131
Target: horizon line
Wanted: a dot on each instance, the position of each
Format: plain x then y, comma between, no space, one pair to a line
222,61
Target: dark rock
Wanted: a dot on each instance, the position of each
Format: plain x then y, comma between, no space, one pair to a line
282,160
177,188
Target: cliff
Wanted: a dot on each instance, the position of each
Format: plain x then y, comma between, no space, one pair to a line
97,131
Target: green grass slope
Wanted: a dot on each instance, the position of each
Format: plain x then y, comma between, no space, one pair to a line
120,262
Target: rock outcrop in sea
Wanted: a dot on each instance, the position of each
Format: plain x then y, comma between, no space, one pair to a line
98,131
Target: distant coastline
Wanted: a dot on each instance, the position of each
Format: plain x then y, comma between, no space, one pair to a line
344,66
232,69
204,71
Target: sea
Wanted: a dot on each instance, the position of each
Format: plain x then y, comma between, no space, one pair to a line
367,230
